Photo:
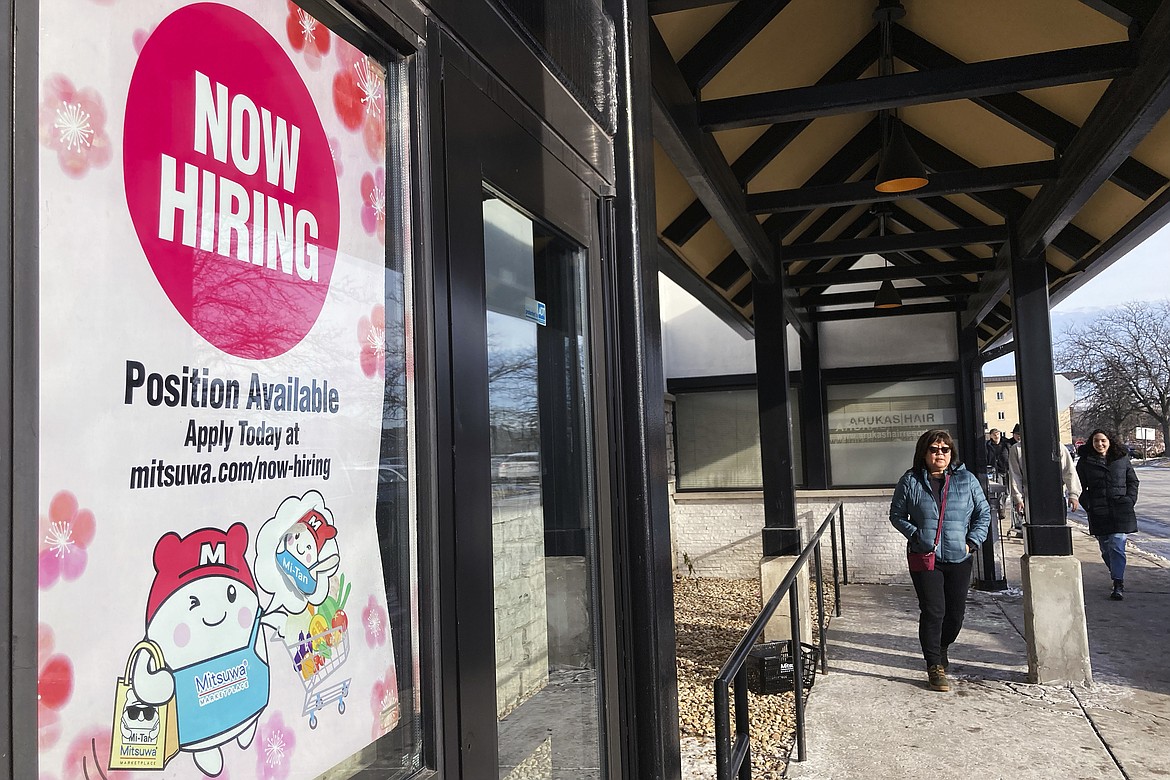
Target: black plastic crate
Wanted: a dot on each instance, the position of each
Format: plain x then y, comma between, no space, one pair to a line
769,666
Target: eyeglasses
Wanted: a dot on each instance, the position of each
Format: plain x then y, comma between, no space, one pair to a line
937,450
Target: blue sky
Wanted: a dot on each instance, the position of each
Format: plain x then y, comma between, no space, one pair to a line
1141,275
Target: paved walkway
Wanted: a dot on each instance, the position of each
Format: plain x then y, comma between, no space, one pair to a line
873,715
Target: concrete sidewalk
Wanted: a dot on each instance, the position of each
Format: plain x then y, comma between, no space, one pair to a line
873,715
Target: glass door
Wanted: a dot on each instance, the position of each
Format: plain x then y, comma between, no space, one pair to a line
524,527
541,499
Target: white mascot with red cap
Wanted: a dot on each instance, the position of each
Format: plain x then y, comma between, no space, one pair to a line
203,612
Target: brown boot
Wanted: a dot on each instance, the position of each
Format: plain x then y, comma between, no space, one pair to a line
938,678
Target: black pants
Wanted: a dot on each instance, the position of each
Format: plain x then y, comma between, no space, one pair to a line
942,599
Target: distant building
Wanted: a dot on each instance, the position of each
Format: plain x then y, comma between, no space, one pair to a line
1001,407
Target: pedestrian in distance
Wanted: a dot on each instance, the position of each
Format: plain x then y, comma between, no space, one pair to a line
939,506
997,452
1109,494
1018,481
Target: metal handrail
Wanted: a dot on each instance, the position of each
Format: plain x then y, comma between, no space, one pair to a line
733,760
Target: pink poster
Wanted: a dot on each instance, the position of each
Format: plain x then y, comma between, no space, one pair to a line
213,384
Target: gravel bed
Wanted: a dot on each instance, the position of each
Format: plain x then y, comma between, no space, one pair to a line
711,616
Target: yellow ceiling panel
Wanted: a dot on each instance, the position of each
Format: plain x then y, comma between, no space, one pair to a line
804,40
975,134
683,29
672,192
1008,28
810,150
1107,211
1154,150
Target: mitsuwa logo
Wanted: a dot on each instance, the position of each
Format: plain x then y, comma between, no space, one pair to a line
230,181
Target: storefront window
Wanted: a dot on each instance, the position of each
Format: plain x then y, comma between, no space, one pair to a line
227,568
717,440
873,427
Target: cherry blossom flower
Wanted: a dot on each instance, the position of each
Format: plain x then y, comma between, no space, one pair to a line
384,703
140,36
307,35
372,338
274,748
373,187
359,97
54,687
64,535
72,123
376,622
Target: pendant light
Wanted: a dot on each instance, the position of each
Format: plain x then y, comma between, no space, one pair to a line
887,296
899,169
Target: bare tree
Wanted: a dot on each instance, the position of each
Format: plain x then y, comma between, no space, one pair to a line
1124,356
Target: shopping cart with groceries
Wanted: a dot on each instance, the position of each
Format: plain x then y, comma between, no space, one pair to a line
318,659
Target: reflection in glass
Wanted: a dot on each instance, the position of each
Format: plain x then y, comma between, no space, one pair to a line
547,698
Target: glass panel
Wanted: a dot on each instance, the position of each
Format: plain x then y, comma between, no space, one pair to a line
873,427
717,436
547,686
236,493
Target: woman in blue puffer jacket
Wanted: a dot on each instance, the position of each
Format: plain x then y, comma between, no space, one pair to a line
937,479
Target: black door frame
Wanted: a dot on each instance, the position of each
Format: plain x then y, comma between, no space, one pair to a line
488,136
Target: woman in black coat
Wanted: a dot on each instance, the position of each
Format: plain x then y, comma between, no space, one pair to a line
1109,489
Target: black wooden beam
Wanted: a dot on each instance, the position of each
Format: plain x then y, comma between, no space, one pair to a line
1125,12
868,312
992,234
999,177
997,352
909,292
680,272
952,212
1073,241
733,269
671,6
1122,118
916,271
776,139
1144,224
726,39
843,165
1027,115
1012,74
699,159
862,226
914,225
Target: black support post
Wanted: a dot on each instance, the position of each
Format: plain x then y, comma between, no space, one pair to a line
970,398
781,536
813,429
988,575
1047,528
649,697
